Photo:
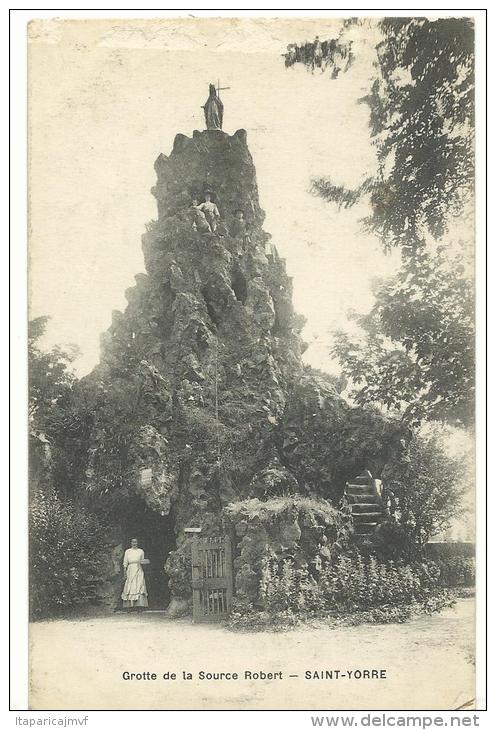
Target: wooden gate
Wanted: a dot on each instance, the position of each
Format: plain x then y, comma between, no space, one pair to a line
211,566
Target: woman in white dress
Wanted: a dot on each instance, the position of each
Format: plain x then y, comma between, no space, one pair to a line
134,594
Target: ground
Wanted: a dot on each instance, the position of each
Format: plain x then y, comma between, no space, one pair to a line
78,664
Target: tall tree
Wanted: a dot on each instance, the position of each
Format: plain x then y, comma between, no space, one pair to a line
50,378
419,336
55,416
414,352
427,492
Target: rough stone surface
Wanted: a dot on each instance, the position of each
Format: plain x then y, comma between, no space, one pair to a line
196,372
200,398
298,528
109,591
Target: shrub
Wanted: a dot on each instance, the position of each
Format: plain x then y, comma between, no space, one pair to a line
352,589
285,588
356,583
464,592
278,586
435,550
457,571
245,617
67,545
426,489
378,615
397,614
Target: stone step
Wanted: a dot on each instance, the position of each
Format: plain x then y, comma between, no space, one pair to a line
365,507
369,521
360,488
356,491
365,528
367,516
362,479
364,499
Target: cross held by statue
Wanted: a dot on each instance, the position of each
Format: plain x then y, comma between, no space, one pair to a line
221,88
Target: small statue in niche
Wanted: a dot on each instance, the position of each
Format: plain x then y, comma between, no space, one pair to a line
210,210
213,109
200,222
239,227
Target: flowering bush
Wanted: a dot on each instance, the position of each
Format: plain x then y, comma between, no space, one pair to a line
352,588
67,551
285,588
357,583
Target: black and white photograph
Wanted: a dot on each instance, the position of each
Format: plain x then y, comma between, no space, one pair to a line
251,347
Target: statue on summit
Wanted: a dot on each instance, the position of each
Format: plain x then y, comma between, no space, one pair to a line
213,110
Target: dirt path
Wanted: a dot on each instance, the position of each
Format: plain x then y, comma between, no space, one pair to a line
78,664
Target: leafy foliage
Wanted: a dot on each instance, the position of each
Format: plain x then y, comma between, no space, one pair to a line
434,603
115,424
285,508
334,54
57,416
422,122
49,377
457,571
248,618
285,588
415,352
350,590
426,489
418,352
67,545
325,442
356,583
67,542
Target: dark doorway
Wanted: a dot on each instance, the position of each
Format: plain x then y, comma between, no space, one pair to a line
155,535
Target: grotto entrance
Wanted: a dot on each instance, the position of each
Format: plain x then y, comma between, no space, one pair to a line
155,534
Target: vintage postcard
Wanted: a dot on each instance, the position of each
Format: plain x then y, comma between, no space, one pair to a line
251,363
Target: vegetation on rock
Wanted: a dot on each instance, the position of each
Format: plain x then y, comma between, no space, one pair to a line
294,534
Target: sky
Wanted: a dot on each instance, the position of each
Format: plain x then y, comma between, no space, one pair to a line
107,97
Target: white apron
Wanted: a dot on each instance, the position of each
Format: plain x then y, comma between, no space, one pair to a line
134,592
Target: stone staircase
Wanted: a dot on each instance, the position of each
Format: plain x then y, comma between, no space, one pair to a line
367,506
